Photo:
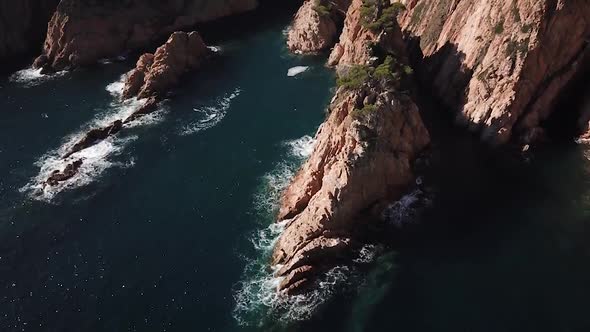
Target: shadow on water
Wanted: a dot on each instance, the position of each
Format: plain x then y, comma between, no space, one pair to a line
503,247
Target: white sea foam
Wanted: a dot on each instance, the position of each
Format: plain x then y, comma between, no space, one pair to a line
116,88
266,199
258,299
302,147
297,70
108,61
95,162
367,254
214,49
402,211
96,158
256,296
285,31
210,115
30,77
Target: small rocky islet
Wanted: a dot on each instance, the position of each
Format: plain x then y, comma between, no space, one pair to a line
502,68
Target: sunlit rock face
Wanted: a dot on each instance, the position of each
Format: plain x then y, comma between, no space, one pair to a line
82,32
500,64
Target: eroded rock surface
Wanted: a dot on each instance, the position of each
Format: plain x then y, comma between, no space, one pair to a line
157,73
357,41
500,64
316,25
84,31
361,158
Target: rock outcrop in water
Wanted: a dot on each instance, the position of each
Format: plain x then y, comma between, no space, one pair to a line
67,173
23,24
500,64
358,39
156,73
362,160
316,25
94,136
84,31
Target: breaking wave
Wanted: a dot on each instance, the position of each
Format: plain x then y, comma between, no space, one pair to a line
257,300
215,49
406,210
266,199
96,158
210,115
31,77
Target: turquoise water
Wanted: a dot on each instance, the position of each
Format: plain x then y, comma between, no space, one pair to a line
168,228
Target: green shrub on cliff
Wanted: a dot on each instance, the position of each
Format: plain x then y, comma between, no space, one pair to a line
389,71
322,9
380,15
355,77
367,109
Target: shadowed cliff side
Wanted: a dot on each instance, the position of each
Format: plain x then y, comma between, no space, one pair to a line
500,64
82,32
23,24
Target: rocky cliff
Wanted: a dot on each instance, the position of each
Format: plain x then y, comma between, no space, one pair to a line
157,73
361,161
23,24
361,35
500,64
362,158
83,31
316,25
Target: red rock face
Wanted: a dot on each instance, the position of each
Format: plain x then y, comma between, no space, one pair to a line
359,161
23,24
157,73
500,64
83,31
312,30
354,46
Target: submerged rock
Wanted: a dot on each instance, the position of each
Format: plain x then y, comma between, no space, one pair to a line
60,176
94,136
500,64
83,31
150,106
157,73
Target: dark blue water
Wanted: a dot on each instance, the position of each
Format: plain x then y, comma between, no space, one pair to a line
158,239
167,229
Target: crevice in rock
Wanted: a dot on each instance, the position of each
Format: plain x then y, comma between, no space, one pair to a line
571,112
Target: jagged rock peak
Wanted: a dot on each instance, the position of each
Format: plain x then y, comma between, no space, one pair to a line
82,32
157,73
